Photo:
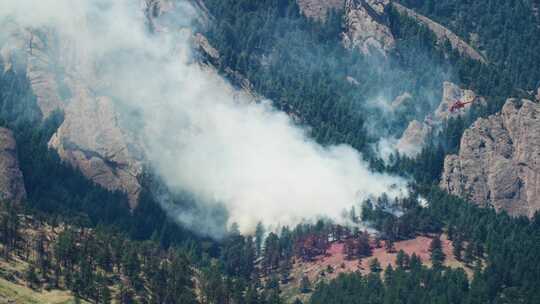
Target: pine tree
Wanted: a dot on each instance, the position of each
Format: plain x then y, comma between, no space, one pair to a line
375,266
468,257
437,254
305,285
285,271
389,245
353,216
271,253
259,236
31,276
105,295
389,275
458,247
402,260
125,296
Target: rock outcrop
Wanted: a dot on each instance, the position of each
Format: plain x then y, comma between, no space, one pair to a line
202,43
91,140
443,34
499,160
366,27
11,178
401,101
319,9
212,62
451,94
414,138
34,52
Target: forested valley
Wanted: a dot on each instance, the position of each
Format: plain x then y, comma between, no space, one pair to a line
72,235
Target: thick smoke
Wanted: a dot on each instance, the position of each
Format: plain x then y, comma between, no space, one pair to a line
199,134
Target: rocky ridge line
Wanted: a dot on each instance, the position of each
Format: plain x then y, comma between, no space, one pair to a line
443,34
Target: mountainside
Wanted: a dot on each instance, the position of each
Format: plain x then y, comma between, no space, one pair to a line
90,138
505,32
99,146
443,34
367,26
270,152
57,262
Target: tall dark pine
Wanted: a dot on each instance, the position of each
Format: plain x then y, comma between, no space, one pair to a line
437,254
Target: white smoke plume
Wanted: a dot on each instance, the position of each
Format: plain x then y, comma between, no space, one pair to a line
198,133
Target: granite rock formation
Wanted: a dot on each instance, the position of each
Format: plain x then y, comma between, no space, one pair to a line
498,163
366,27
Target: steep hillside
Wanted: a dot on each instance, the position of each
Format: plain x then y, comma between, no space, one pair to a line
44,262
443,34
89,213
507,32
61,80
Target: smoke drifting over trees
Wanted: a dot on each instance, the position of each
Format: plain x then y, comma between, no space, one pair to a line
196,131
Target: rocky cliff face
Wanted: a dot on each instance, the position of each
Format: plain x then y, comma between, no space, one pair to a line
11,178
499,160
319,9
366,27
92,137
443,34
34,53
91,140
414,138
365,22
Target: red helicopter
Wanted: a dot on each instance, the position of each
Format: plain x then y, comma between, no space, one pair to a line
460,105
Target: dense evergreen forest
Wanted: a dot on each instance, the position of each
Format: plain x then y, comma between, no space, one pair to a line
506,31
92,262
303,68
102,252
276,48
503,251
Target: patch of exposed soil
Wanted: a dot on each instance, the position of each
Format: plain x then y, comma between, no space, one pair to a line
329,266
